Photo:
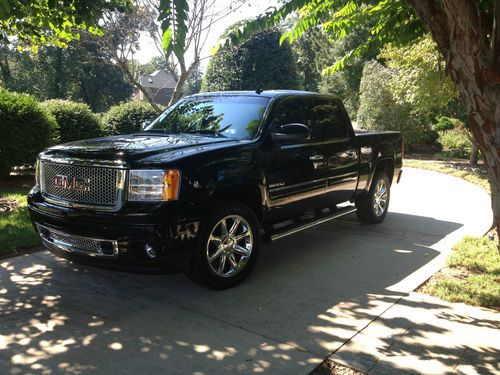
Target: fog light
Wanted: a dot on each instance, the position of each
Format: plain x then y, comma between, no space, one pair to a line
150,251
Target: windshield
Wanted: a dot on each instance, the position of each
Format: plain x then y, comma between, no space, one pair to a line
236,117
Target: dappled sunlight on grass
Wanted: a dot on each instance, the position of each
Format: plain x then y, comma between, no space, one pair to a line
16,230
471,276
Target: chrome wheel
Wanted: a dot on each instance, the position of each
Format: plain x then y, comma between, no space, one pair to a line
229,246
380,198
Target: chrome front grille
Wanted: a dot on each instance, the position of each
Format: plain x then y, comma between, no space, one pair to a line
85,185
84,245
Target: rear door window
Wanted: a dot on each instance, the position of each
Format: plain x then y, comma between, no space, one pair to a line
329,119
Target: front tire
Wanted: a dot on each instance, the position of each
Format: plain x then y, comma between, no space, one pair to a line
372,207
228,246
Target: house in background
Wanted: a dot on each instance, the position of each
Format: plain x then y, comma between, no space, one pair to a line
160,84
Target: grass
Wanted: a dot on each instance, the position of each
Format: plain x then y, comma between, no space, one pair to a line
16,231
474,175
471,275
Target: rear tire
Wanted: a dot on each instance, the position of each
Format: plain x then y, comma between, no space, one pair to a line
228,245
372,207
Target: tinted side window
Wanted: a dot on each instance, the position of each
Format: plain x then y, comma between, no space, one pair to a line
290,110
329,119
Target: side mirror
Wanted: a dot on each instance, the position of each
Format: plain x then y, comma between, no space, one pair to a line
145,124
292,133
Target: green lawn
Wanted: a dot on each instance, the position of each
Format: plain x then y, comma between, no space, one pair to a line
471,275
472,271
16,232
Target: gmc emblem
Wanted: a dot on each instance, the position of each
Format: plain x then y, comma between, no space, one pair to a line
72,183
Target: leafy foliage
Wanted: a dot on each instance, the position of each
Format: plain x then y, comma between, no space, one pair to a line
455,143
445,123
80,72
75,121
258,63
396,23
422,82
173,16
380,109
43,22
415,89
127,117
308,49
25,130
453,137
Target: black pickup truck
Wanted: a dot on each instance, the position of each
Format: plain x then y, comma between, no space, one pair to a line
205,183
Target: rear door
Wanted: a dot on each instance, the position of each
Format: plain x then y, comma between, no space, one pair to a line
293,171
332,133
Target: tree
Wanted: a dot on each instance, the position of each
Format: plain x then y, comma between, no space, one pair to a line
408,93
345,83
93,79
79,72
258,63
467,33
185,25
383,108
307,51
47,22
122,31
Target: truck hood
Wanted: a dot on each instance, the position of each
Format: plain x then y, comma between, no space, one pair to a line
136,147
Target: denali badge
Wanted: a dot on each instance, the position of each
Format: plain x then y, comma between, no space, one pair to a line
72,183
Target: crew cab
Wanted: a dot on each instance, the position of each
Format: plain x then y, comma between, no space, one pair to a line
202,186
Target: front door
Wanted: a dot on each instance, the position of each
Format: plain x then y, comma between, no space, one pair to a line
294,171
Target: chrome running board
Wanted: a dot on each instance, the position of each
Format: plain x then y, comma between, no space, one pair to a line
300,225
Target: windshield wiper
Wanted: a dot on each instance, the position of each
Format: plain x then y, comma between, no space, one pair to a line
206,132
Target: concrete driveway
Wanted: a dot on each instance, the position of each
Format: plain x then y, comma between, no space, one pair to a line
309,294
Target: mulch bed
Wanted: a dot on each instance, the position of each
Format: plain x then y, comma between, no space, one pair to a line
7,205
333,368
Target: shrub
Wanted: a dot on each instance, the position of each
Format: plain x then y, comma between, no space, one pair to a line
127,118
25,130
446,123
455,143
258,63
75,120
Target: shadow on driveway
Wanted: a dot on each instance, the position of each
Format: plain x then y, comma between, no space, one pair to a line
309,294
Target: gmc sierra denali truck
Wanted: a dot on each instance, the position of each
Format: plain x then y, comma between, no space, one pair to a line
200,187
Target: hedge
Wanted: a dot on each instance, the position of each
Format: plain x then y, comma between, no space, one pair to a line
25,130
75,120
127,118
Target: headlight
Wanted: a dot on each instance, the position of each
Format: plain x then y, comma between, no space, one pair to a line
37,173
153,185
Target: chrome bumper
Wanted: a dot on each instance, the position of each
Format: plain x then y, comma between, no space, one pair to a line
96,247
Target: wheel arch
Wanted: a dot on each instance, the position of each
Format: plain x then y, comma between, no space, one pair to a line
386,165
246,193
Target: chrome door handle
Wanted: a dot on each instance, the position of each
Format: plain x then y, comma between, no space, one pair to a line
316,157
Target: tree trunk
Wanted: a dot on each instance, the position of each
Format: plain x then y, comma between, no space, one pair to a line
177,94
58,74
474,155
184,76
5,68
462,38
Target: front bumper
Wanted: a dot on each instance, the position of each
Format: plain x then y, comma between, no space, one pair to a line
127,237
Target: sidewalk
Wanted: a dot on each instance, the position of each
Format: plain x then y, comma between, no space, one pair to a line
424,335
